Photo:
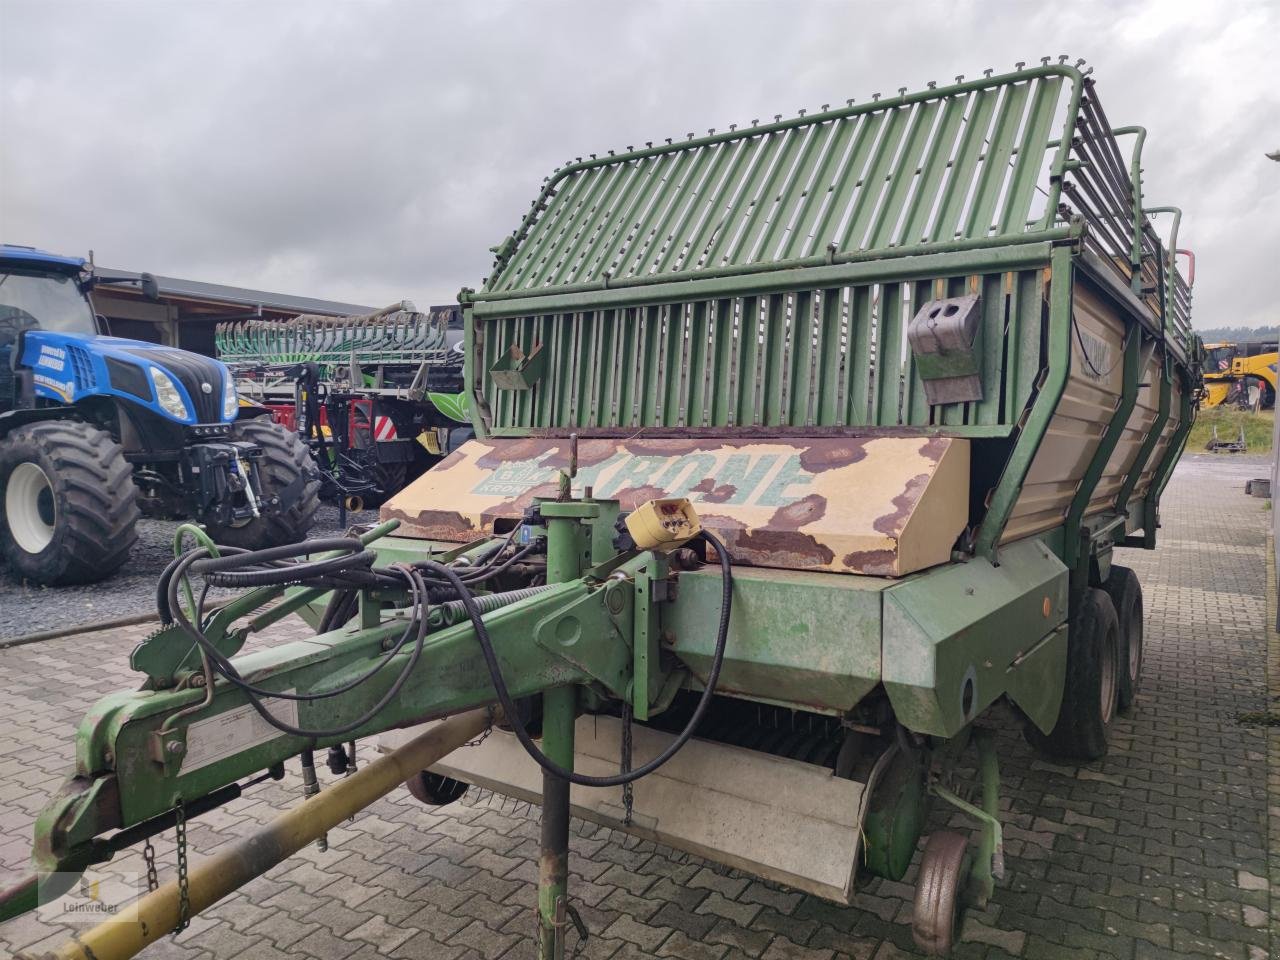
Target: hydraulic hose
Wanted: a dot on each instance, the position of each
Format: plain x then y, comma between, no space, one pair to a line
513,714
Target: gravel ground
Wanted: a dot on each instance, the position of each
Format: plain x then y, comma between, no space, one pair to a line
27,608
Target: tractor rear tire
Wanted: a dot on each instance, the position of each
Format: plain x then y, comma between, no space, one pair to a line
285,470
1089,694
68,505
1126,595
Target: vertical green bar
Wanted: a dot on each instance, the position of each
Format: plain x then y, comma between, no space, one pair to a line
916,410
858,365
773,352
748,362
723,376
889,356
699,332
673,363
829,354
651,360
992,286
802,359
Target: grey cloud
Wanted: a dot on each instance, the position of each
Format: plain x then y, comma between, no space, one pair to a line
371,151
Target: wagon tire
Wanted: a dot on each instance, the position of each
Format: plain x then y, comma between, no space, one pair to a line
435,789
287,472
389,478
944,874
1091,685
68,504
1126,595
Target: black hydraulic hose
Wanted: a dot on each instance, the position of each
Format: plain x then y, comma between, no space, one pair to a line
417,627
230,571
513,714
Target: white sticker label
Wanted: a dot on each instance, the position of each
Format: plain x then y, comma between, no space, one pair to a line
235,731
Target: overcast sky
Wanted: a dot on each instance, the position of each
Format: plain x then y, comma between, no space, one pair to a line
374,151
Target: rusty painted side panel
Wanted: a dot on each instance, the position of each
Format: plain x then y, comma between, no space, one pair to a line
1079,423
883,506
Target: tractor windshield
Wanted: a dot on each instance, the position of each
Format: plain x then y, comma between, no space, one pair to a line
43,300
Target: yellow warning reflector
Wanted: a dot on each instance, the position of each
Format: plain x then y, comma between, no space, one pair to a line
663,525
430,441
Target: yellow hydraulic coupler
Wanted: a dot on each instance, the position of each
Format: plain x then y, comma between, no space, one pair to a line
156,914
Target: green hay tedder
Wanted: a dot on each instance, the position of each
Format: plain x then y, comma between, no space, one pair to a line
798,448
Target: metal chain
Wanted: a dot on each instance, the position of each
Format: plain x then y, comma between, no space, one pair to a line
184,899
149,858
628,797
484,734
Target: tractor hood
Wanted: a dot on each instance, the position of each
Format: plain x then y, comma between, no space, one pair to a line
182,387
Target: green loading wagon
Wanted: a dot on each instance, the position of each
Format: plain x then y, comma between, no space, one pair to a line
918,366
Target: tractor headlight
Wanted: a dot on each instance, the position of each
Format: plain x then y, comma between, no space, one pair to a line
167,395
230,402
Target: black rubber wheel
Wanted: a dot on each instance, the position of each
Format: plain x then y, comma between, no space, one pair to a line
1090,690
68,506
944,872
286,472
1126,596
435,789
390,479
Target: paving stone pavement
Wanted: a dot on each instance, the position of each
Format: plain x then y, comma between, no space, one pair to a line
1158,851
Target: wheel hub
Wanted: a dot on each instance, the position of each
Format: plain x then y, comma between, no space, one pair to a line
29,508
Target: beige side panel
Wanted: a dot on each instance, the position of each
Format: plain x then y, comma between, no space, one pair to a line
879,506
790,822
1088,402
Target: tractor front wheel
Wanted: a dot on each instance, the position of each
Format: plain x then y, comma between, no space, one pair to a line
285,473
68,505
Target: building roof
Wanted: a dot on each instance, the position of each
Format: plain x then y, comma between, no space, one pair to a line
173,288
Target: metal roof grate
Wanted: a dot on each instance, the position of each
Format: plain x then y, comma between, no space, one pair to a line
966,162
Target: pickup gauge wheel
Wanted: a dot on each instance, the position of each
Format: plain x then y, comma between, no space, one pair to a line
944,871
435,789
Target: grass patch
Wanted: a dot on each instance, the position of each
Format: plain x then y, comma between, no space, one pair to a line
1257,428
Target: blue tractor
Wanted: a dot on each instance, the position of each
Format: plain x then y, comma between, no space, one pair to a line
96,431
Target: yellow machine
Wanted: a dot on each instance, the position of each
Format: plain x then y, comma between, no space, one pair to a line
1233,371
